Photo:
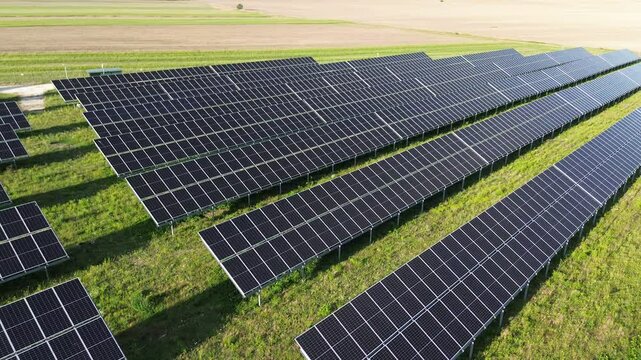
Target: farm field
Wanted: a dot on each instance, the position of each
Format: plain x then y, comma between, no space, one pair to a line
164,296
592,23
126,25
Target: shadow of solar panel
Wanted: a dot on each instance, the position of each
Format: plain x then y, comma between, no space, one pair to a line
58,323
11,149
257,248
27,242
434,306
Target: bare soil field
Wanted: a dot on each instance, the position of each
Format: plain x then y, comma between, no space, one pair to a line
212,37
591,23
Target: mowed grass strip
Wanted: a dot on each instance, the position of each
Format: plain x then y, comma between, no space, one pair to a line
165,297
37,68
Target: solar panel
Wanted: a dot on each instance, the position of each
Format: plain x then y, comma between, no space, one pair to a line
11,114
137,151
257,248
69,88
434,306
183,189
11,149
61,322
27,242
4,197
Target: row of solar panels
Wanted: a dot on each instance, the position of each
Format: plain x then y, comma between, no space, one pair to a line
192,186
295,134
199,132
261,246
437,304
12,120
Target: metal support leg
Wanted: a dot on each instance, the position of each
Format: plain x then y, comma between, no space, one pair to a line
259,300
547,269
471,350
443,194
339,253
280,188
595,216
371,234
581,232
249,200
501,318
398,219
565,248
422,205
527,286
172,230
463,184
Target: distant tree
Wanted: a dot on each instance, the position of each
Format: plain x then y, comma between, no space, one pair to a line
239,6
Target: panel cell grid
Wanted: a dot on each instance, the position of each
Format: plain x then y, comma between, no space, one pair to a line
11,149
61,322
27,242
11,114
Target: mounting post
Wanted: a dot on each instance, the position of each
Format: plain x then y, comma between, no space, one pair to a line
259,300
371,234
565,248
527,286
501,318
249,200
581,232
422,205
339,252
463,183
471,350
547,268
398,219
172,229
280,188
443,194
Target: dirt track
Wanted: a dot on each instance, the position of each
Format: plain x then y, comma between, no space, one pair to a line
210,37
594,23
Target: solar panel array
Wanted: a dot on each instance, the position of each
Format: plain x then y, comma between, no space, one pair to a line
257,248
434,306
200,132
61,322
11,114
11,149
4,197
179,190
27,242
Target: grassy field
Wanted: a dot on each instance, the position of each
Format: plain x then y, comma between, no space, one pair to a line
165,297
36,68
121,13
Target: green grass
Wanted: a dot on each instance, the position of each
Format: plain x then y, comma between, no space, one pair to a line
165,297
119,13
35,68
